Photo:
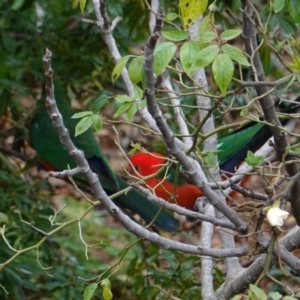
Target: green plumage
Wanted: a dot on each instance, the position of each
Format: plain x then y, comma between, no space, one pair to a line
47,144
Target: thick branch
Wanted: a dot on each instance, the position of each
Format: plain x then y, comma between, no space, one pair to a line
250,38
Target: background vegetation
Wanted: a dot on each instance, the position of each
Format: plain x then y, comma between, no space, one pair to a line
58,268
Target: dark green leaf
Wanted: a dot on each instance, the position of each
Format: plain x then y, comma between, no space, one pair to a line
99,103
294,9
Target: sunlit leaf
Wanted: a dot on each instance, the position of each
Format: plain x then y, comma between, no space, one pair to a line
97,122
171,17
235,54
230,34
188,52
135,69
123,98
191,10
132,111
208,36
205,57
82,4
175,35
107,293
258,292
83,125
206,25
122,109
119,67
210,159
253,160
163,53
90,291
222,68
278,5
82,114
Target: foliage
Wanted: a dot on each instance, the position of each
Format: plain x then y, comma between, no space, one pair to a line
119,265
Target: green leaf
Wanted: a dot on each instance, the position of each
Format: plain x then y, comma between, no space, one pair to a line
98,103
122,109
206,25
244,112
123,98
82,114
136,147
171,17
209,158
235,54
223,71
97,122
205,57
136,69
230,34
17,4
294,9
258,292
253,160
163,53
278,5
237,297
82,4
296,65
132,111
90,291
289,298
4,218
294,148
191,10
83,125
106,285
188,52
208,36
175,35
275,295
138,92
119,67
265,55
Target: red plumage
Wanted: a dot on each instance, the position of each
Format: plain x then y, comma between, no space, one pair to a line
184,195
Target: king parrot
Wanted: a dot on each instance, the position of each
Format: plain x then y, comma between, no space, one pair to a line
54,156
233,150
